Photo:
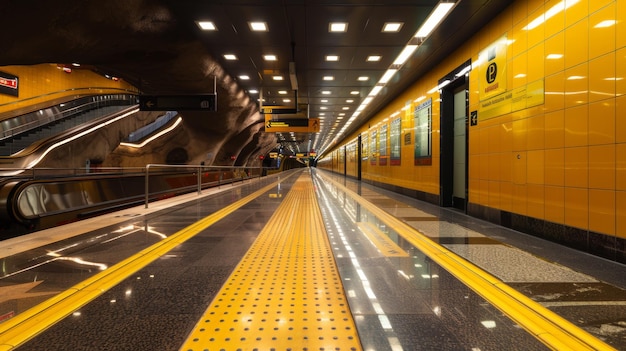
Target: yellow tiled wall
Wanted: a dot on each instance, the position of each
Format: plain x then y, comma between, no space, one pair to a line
44,82
563,161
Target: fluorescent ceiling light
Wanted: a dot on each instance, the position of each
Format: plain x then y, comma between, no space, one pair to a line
324,100
363,78
354,92
230,57
332,58
206,25
258,26
349,101
253,91
375,90
435,17
392,27
405,54
326,92
277,77
282,92
244,77
337,27
387,76
329,78
286,100
345,108
269,57
373,58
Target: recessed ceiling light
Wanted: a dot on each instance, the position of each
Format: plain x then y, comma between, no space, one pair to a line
258,26
326,92
244,77
230,57
323,107
373,58
354,92
206,25
345,108
324,100
337,27
253,91
329,78
363,78
277,77
286,100
392,27
332,58
349,101
269,57
282,92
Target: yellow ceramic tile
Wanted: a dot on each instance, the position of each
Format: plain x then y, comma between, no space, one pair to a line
620,167
576,167
554,123
484,192
483,142
506,167
577,85
535,68
577,208
506,136
602,167
602,31
494,166
483,163
494,195
519,134
536,132
554,54
536,34
536,201
602,77
620,123
506,196
620,70
535,167
493,134
620,214
554,204
518,71
576,12
576,126
554,92
620,27
519,203
556,23
535,7
472,192
602,122
519,38
519,11
577,43
555,167
602,211
596,5
519,167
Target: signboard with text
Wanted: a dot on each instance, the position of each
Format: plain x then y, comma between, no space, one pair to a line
9,84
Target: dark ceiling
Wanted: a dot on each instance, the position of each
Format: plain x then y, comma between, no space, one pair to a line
158,46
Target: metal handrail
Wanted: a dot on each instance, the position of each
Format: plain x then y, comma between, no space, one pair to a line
200,169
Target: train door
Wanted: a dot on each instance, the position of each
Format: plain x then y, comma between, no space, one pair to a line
454,125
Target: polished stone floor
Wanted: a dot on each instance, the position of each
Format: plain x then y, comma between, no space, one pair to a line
399,298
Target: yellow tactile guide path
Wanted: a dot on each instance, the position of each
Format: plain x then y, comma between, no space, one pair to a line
286,293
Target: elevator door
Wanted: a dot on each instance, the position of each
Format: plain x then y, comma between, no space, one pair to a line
459,177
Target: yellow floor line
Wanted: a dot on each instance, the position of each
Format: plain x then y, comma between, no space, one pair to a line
286,293
548,327
33,321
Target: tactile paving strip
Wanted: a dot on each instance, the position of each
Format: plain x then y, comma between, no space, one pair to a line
286,293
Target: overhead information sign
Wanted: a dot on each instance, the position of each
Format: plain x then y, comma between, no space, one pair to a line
205,102
295,125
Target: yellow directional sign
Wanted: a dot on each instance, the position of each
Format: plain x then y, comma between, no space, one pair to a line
295,125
